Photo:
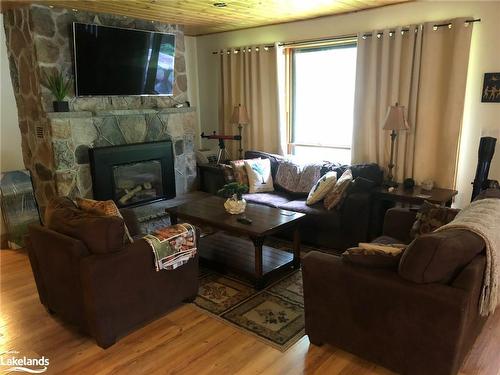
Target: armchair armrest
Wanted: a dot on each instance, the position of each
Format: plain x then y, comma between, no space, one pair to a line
398,223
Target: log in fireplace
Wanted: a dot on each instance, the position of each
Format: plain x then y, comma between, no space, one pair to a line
133,174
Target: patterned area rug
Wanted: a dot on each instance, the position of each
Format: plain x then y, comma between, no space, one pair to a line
274,314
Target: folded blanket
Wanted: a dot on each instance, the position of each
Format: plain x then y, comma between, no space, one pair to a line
482,217
172,246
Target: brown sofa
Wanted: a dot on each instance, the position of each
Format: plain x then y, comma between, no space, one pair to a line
335,229
109,292
419,319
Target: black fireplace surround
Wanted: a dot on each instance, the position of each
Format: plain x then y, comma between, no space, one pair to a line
133,174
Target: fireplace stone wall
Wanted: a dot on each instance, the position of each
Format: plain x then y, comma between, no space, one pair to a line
54,145
73,133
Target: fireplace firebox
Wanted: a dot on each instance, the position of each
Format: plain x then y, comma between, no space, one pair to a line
133,174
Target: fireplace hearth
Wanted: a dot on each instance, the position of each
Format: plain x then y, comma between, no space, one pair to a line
134,174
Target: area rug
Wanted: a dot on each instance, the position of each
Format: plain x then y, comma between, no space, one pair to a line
274,314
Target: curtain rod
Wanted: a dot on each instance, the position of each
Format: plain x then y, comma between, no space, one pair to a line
345,37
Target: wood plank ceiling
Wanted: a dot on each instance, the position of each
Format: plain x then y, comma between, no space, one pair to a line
201,17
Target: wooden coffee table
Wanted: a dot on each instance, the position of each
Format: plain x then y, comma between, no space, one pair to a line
230,250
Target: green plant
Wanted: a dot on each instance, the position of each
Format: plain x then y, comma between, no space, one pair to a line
233,188
58,84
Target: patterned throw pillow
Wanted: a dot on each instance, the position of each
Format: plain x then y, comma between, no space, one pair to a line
105,208
259,175
321,188
374,255
430,217
239,171
336,194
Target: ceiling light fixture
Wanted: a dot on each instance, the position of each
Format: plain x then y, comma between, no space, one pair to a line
220,5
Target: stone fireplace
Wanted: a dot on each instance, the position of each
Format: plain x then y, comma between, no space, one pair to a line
55,145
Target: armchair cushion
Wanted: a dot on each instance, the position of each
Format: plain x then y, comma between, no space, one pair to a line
101,234
439,257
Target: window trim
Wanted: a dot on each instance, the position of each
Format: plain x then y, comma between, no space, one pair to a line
290,88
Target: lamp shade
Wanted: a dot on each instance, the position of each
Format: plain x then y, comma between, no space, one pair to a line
240,115
395,118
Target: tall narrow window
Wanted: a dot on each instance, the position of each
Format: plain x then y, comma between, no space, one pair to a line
321,101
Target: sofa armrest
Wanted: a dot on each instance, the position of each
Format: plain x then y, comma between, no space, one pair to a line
398,223
123,289
355,218
375,313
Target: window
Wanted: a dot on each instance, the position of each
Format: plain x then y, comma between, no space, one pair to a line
321,101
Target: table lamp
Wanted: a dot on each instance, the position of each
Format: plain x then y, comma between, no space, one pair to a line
240,117
394,120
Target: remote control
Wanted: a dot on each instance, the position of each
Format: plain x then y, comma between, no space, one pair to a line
244,220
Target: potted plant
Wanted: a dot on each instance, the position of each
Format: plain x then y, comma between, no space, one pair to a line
234,204
59,86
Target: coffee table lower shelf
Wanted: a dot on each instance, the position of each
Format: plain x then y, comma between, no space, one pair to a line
227,253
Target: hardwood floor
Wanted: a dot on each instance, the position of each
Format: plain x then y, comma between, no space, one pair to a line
185,341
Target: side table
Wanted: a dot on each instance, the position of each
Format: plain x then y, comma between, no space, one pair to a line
416,195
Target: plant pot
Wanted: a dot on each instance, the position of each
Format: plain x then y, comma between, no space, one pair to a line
235,206
61,106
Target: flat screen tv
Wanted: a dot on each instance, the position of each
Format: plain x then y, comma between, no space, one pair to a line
115,61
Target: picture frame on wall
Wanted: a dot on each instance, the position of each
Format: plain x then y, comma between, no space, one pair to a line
491,88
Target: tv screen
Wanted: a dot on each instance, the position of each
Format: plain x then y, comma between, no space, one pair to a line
115,61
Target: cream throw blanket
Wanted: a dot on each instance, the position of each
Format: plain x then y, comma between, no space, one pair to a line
482,217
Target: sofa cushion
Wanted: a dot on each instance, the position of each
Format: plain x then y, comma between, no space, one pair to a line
370,172
100,234
300,205
275,199
438,257
361,185
430,217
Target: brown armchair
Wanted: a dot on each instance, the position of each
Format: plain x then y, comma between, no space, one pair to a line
107,294
411,328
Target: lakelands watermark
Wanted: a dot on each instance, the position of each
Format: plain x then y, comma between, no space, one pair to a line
13,361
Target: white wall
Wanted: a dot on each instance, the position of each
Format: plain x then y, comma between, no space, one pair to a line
485,57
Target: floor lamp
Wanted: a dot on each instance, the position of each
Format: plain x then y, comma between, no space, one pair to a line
395,120
240,118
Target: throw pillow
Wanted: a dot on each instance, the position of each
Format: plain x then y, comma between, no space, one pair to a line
239,171
335,196
227,170
105,208
259,175
321,188
375,255
430,217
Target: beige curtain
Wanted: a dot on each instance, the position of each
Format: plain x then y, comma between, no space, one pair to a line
249,77
425,70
